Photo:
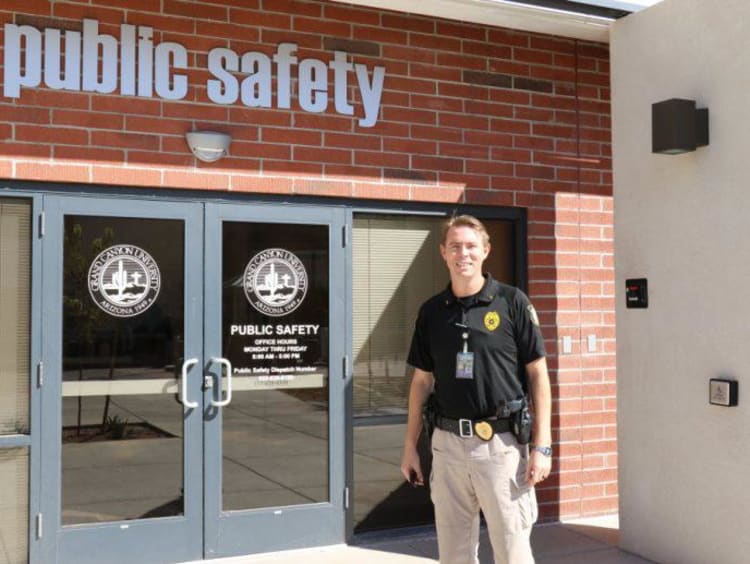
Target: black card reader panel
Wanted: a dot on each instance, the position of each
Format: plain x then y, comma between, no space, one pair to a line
636,292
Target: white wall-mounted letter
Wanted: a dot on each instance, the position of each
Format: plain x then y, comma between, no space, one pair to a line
14,78
175,54
70,77
371,93
341,68
93,44
284,61
256,88
313,85
225,90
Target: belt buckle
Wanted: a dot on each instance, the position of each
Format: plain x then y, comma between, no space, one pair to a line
465,428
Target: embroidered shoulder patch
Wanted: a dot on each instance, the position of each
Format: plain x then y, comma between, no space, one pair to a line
532,315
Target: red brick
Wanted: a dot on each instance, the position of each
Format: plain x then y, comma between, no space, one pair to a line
321,155
410,146
487,49
381,191
24,114
401,53
351,14
493,168
324,122
436,133
81,11
6,168
410,116
438,194
318,26
52,172
459,90
508,37
203,11
125,140
27,6
510,126
435,42
490,197
464,150
87,119
380,35
481,123
377,158
260,19
261,184
434,72
438,163
352,171
125,105
97,155
196,179
260,150
322,187
123,176
51,135
24,150
464,31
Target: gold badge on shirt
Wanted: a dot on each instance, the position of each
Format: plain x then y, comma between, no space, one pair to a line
492,320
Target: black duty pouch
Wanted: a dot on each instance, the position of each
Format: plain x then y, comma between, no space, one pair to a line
520,424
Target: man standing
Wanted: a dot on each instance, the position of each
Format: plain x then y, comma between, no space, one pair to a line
478,347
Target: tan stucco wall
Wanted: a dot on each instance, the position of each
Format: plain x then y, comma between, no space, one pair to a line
683,222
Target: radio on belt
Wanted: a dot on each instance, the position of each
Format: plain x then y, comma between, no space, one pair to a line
636,292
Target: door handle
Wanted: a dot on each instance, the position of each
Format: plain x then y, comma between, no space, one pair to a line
228,398
183,383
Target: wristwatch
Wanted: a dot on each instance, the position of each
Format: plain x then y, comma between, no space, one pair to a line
546,451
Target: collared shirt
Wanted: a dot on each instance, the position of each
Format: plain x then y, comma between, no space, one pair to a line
503,335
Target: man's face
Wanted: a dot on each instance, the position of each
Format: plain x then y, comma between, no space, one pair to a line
464,252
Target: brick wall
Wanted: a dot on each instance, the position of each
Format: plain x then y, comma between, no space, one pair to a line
469,114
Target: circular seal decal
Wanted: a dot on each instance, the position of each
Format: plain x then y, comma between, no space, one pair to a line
275,282
124,280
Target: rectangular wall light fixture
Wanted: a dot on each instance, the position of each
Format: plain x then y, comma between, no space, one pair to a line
678,127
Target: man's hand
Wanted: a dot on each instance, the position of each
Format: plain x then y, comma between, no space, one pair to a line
422,384
538,468
411,467
541,400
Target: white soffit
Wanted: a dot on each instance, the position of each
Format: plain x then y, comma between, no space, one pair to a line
515,15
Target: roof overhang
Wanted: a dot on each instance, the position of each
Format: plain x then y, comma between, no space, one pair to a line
583,19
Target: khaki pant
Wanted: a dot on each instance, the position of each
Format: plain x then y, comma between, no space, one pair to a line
469,474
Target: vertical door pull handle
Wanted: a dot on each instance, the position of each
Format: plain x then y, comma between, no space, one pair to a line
224,362
183,383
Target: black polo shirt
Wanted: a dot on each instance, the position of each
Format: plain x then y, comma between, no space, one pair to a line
504,336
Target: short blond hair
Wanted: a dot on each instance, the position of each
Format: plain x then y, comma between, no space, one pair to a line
466,221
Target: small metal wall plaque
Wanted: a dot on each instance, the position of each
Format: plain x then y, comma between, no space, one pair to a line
723,392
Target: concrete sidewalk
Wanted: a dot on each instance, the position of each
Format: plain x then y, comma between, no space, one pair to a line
584,541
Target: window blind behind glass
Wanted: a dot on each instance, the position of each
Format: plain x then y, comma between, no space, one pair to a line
14,505
15,295
397,265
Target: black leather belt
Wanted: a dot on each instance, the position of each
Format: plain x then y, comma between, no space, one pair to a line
470,427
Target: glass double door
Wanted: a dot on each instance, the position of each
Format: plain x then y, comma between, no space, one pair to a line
192,386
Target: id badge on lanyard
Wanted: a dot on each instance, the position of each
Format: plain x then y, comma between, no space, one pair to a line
465,361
